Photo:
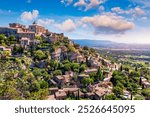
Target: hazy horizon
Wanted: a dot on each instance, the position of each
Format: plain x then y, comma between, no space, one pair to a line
114,41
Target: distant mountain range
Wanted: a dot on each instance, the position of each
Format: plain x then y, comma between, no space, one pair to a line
110,44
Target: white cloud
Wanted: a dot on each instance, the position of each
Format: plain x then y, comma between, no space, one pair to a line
67,26
80,3
88,4
93,4
137,11
108,23
101,8
121,11
28,16
143,3
45,22
66,2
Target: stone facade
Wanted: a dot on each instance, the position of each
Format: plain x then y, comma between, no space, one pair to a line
39,30
19,30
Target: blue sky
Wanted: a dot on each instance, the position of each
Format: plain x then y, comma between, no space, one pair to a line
116,20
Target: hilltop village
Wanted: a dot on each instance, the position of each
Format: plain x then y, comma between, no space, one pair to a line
39,64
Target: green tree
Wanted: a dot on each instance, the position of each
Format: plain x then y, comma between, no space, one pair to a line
134,74
85,48
110,97
57,72
146,93
5,54
118,91
43,84
12,40
39,38
75,67
39,55
121,77
2,39
34,87
100,75
53,65
67,67
82,68
138,97
87,81
136,68
121,68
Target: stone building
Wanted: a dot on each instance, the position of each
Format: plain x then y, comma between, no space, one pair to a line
8,31
38,30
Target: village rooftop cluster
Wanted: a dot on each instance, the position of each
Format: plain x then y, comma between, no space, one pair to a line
64,85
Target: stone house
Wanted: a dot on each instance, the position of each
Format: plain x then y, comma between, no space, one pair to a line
126,94
107,74
38,30
81,76
51,82
3,48
17,25
53,90
114,67
30,35
99,94
53,37
57,54
90,95
62,80
77,57
146,85
144,82
106,63
51,97
71,73
100,89
78,94
8,31
60,95
70,91
25,41
19,30
94,62
89,71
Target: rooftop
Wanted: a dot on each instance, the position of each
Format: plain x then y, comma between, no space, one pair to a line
60,93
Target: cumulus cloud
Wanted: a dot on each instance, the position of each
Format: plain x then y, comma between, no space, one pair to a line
28,16
101,8
88,4
80,3
45,22
137,11
94,3
144,3
121,11
67,26
108,23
